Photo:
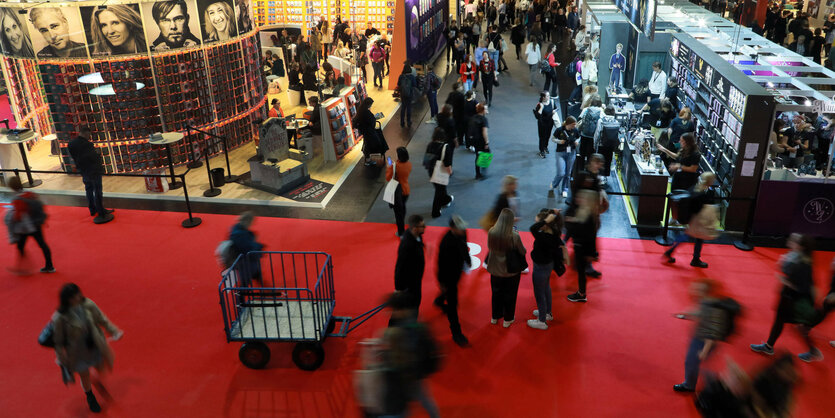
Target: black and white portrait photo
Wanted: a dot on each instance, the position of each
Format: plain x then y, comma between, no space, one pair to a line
114,29
243,16
217,20
14,33
171,24
58,32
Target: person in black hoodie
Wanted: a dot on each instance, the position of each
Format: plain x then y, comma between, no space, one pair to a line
457,101
548,254
440,149
408,270
453,258
88,163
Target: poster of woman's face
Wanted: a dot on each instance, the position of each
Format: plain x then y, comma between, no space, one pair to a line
14,35
217,20
114,29
57,32
243,16
171,24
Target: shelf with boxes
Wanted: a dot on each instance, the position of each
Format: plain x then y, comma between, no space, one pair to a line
357,13
26,97
339,133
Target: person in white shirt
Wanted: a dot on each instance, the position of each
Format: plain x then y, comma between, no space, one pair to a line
580,38
533,55
658,81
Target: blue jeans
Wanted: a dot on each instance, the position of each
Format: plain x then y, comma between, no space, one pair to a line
562,180
405,110
683,237
542,288
432,97
468,85
692,362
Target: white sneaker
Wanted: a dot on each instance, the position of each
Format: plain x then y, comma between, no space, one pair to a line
494,321
564,194
527,270
535,323
507,324
548,317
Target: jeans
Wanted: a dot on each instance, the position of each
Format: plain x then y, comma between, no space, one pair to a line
562,180
93,187
38,236
432,97
683,237
534,68
577,93
405,111
503,299
542,288
441,198
468,85
692,362
378,72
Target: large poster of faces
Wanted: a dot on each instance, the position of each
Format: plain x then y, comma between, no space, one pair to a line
14,33
217,20
171,24
56,32
243,16
114,29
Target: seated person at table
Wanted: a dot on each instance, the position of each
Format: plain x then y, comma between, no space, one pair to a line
268,59
640,94
330,75
315,117
275,109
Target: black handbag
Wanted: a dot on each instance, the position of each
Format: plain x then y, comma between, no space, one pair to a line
516,263
559,269
45,339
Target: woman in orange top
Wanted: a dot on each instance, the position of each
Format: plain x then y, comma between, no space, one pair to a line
468,71
275,110
400,171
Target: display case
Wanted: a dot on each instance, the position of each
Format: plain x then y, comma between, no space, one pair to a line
338,134
732,115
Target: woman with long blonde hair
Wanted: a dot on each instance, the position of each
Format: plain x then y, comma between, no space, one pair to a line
14,36
116,29
218,22
502,242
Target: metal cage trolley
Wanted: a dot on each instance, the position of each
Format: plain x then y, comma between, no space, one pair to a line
283,297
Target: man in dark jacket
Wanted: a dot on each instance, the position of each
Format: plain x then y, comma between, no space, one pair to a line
457,101
88,163
243,242
453,258
408,270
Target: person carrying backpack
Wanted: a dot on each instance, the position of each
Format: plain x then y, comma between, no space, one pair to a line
607,139
588,126
715,322
26,220
689,211
406,83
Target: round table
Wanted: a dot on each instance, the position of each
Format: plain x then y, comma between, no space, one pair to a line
167,139
294,125
7,139
53,146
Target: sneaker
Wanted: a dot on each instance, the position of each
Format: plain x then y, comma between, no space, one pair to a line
811,356
667,258
548,317
577,297
48,270
564,194
472,148
541,154
451,199
526,270
507,324
682,388
698,263
461,340
535,323
494,321
762,349
546,151
93,403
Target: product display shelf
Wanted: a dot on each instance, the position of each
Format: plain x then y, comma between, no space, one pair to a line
339,133
357,13
26,97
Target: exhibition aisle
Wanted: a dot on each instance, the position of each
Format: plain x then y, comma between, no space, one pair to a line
617,355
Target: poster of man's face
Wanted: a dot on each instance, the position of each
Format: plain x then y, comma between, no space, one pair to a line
217,20
171,24
243,16
57,32
14,33
114,29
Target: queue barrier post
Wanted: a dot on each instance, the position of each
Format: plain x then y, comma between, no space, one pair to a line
192,221
664,238
743,244
212,191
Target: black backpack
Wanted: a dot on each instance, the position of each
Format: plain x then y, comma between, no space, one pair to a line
731,308
406,84
610,137
590,121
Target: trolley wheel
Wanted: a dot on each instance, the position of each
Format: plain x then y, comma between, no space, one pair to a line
254,354
308,356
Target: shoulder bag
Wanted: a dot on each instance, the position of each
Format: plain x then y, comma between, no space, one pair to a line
391,186
439,174
516,262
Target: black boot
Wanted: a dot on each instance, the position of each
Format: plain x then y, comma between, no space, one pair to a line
92,402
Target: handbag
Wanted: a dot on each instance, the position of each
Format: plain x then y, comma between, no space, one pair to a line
515,262
484,159
559,269
439,174
391,186
46,339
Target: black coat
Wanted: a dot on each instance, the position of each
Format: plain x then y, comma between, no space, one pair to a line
85,157
408,270
457,101
453,255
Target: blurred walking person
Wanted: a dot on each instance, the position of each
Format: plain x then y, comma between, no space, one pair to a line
26,219
408,270
453,259
400,171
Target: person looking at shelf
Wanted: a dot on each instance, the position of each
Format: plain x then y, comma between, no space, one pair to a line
217,22
339,85
88,162
671,93
172,19
117,30
658,81
14,36
685,169
55,30
275,109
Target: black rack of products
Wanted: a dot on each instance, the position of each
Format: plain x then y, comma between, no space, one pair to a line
732,114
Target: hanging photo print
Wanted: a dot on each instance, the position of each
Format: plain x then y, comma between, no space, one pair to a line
171,24
114,29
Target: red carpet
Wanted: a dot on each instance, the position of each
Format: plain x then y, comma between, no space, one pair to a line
616,356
